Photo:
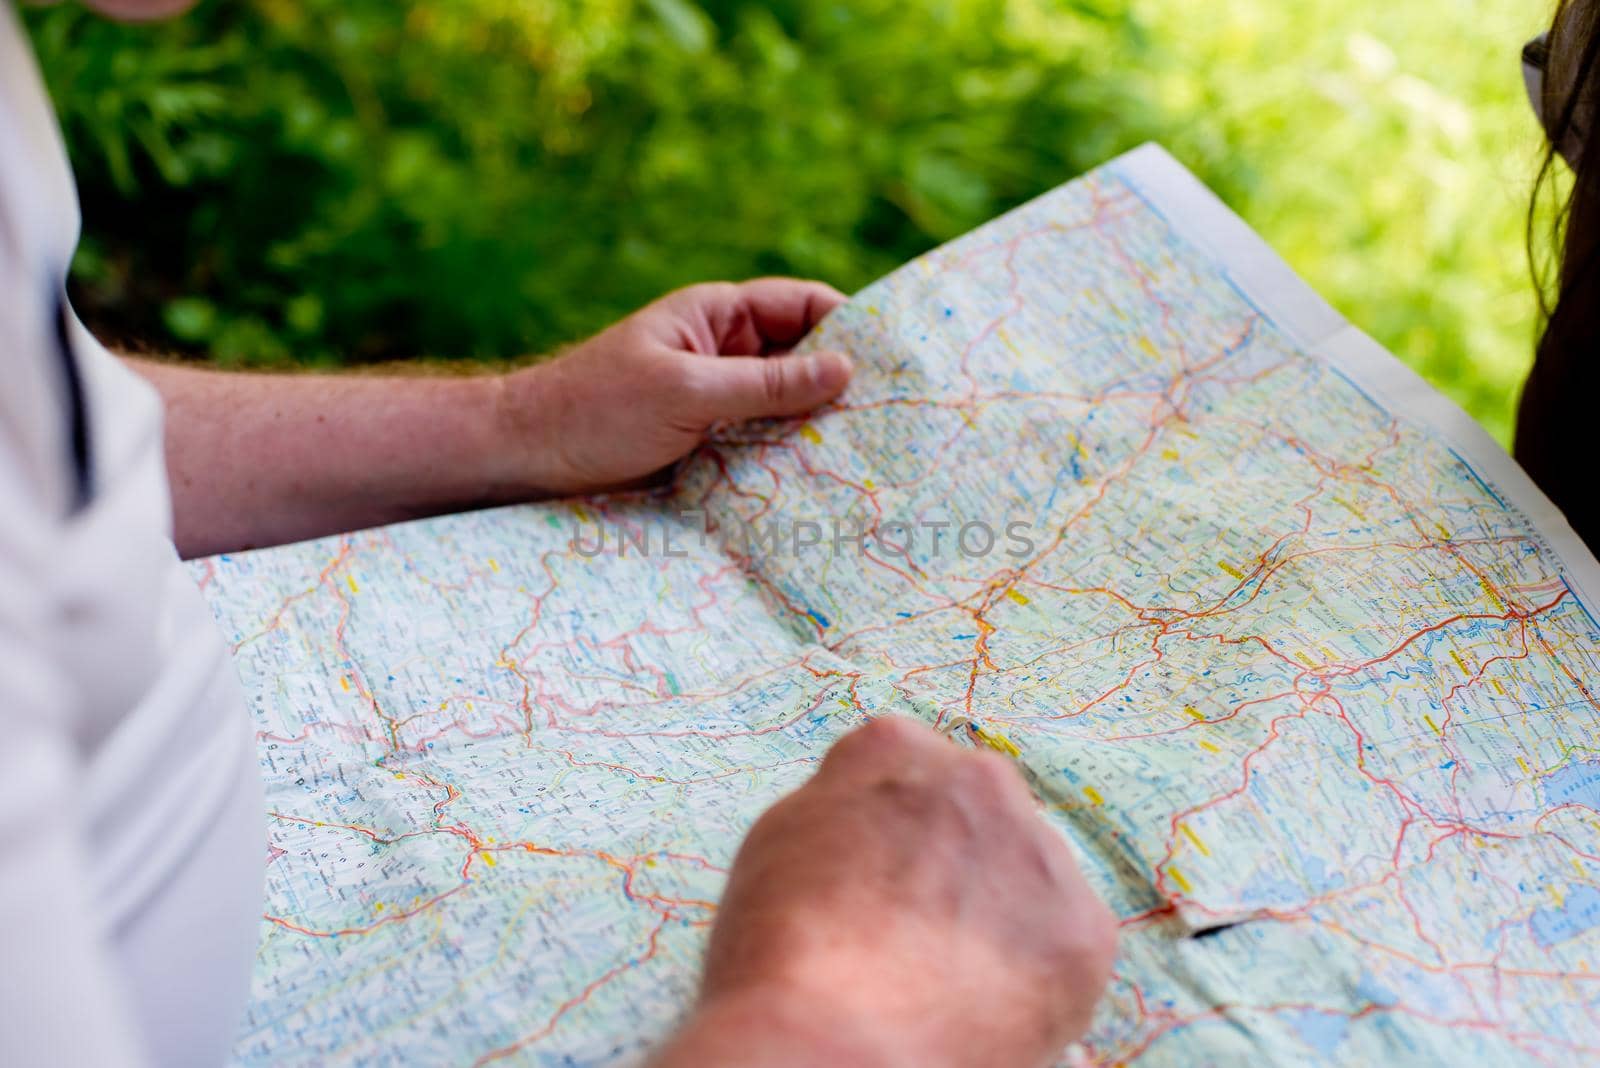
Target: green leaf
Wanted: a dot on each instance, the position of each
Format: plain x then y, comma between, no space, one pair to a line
190,318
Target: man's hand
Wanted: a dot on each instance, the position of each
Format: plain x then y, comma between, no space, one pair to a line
262,459
906,906
641,395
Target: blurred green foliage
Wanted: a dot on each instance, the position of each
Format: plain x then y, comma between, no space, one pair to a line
1388,151
352,179
323,181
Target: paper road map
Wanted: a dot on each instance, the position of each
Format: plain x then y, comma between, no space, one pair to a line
1300,663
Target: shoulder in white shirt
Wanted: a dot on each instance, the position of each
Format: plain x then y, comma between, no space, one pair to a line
131,824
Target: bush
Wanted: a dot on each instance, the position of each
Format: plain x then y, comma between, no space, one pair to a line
343,180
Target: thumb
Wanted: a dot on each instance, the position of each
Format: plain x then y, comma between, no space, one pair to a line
755,387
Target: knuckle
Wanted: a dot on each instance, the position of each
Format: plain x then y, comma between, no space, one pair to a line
1086,941
874,740
689,301
774,381
707,295
894,732
778,816
992,779
996,770
776,828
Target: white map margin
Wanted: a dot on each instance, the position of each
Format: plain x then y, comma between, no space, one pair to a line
1269,283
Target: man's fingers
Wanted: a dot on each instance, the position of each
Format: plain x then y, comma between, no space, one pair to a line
782,310
754,318
755,387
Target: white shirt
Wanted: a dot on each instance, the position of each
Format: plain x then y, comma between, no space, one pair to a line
132,839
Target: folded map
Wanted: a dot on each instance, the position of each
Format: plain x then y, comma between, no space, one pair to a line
1299,662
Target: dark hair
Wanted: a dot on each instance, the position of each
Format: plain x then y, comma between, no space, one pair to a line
1554,418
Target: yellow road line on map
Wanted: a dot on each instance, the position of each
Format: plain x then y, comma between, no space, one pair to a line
1352,509
1230,569
1493,596
998,742
1432,724
1208,745
1170,454
1093,795
1194,713
1459,662
1018,596
1523,764
1177,877
1194,838
1499,689
350,580
811,434
344,680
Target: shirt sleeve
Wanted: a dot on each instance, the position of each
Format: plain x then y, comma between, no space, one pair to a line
61,1000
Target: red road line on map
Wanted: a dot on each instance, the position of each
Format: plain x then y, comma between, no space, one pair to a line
577,999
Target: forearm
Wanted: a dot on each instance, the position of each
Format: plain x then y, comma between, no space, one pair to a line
260,459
